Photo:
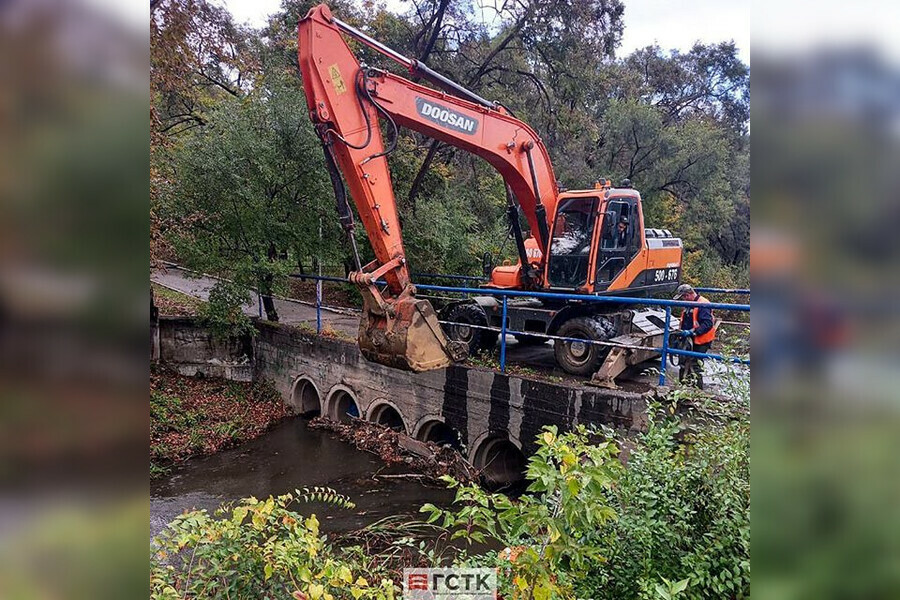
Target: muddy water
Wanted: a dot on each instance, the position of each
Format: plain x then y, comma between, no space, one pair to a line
292,456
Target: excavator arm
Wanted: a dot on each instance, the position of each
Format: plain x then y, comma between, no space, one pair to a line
345,101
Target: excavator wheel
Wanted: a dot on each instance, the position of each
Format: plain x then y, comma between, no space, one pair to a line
469,313
578,358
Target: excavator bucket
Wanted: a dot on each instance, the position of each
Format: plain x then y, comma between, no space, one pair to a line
405,334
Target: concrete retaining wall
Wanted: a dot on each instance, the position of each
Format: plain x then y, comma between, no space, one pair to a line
487,410
493,419
190,349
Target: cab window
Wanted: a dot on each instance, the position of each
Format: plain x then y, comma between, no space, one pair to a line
570,244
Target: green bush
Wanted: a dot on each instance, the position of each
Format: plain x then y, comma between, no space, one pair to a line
224,314
683,504
675,522
550,534
258,549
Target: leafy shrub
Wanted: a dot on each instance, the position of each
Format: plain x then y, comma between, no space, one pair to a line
258,549
548,534
674,523
223,314
683,504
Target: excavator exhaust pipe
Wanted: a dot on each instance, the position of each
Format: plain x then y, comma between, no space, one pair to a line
403,332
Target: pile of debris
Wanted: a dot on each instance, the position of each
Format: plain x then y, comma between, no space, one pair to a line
427,459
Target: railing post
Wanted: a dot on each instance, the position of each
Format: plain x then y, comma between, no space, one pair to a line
503,338
318,306
665,347
319,283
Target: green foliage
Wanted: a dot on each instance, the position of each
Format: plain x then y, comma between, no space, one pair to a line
684,514
250,189
675,522
325,495
669,590
242,188
454,219
257,549
549,533
168,414
189,416
224,314
671,522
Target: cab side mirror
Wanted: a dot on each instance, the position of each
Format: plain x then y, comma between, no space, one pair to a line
487,264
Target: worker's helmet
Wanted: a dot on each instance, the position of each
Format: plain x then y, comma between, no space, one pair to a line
682,290
623,220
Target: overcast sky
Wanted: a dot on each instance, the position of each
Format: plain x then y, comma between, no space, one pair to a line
777,25
670,23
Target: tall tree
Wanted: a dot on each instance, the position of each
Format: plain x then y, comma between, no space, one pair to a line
251,187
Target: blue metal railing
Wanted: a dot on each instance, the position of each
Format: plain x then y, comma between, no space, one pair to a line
704,290
664,350
504,295
711,290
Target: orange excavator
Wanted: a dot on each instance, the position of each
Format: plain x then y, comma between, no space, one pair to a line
581,242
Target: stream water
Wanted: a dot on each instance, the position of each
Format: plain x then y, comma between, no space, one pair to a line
288,457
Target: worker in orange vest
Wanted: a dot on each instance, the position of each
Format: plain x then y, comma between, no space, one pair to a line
698,325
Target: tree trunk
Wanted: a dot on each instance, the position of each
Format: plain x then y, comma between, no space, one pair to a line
266,287
269,305
267,300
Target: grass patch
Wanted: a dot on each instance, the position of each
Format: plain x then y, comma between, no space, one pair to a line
175,304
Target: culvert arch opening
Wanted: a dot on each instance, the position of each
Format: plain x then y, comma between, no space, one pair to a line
441,434
388,416
500,461
305,398
343,406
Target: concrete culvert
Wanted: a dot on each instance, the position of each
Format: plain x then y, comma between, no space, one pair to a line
305,398
441,434
501,462
343,407
387,415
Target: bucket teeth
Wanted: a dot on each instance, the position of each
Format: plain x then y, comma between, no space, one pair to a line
407,337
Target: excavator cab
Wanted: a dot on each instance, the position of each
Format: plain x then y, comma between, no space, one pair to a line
571,242
619,241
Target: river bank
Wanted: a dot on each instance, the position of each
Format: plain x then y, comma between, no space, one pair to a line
198,416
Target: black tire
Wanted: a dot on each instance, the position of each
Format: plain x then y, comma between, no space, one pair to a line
469,313
678,343
530,340
583,359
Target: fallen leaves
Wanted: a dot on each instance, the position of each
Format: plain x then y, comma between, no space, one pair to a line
193,416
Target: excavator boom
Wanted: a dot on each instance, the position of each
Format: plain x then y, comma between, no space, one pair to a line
345,101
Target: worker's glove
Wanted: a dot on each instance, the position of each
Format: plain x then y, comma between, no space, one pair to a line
686,333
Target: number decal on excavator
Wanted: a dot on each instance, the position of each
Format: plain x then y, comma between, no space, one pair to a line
446,117
663,275
336,80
